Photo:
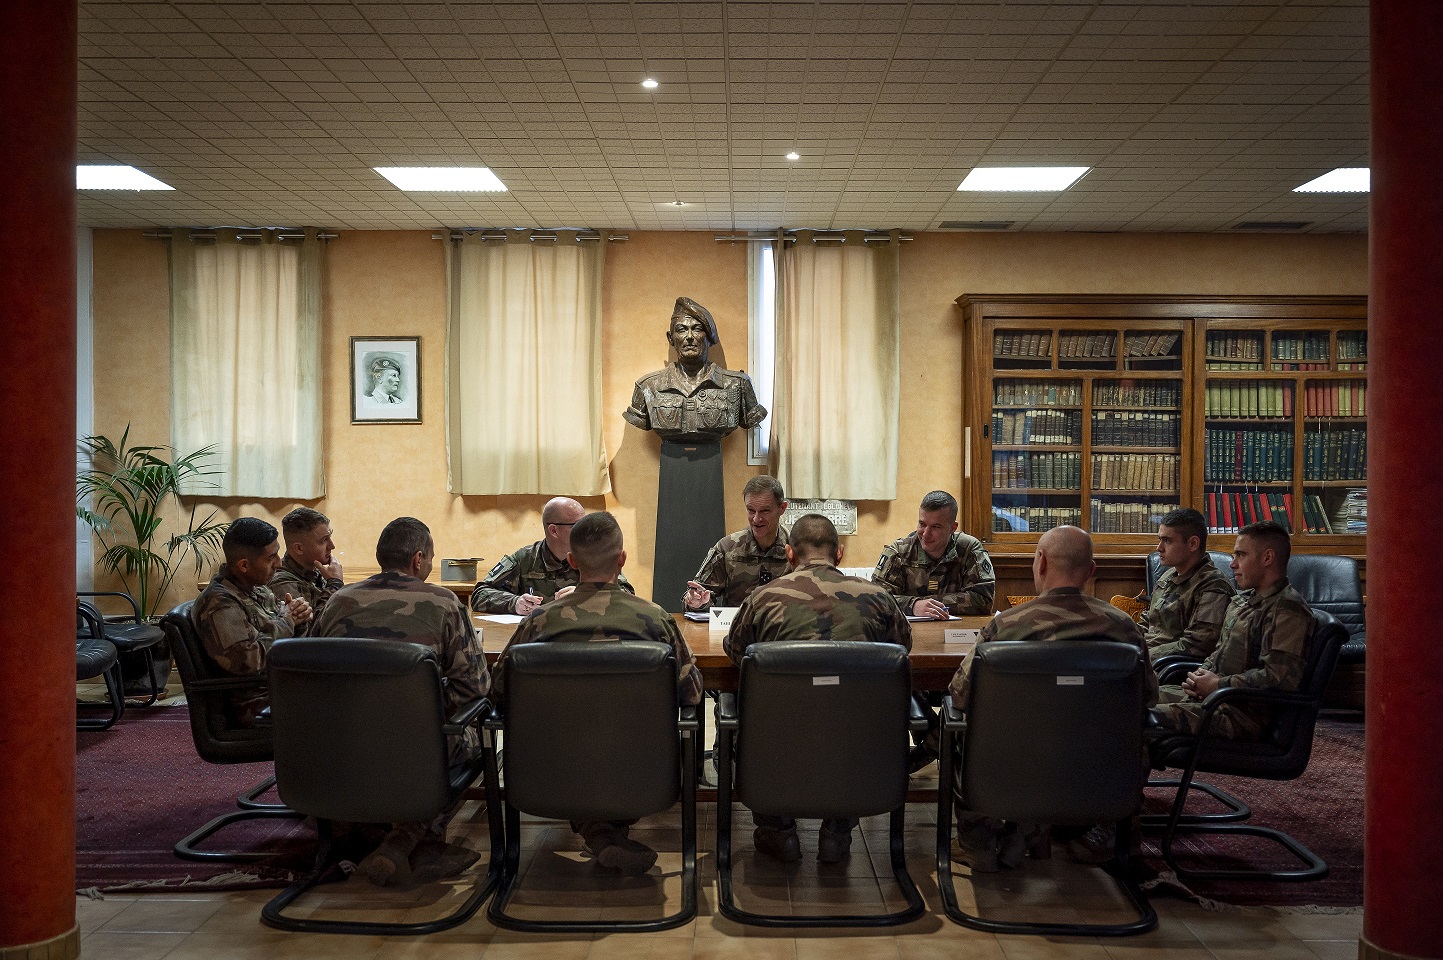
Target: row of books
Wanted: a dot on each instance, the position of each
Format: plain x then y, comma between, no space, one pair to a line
1091,346
1335,454
1011,393
1222,345
1137,393
1227,512
1012,519
1152,344
1248,455
1249,398
1037,426
1043,471
1301,346
1135,471
1353,345
1111,517
1010,343
1345,398
1136,428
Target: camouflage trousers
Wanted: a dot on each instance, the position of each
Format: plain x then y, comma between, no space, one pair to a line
1176,711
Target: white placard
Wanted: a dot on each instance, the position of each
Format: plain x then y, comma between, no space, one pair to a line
721,619
960,635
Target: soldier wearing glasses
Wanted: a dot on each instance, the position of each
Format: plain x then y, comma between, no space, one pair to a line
537,573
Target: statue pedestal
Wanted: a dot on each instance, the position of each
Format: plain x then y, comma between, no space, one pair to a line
690,517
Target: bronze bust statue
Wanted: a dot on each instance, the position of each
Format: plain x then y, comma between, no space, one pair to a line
691,400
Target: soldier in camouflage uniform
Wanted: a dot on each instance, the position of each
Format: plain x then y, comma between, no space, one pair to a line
398,604
1190,599
1264,642
237,617
599,609
309,569
1062,565
538,573
937,570
742,561
816,601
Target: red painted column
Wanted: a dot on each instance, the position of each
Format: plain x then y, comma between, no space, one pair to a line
37,475
1403,910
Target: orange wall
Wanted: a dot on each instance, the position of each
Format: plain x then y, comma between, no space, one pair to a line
393,283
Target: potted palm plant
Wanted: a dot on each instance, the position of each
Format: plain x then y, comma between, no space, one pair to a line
124,493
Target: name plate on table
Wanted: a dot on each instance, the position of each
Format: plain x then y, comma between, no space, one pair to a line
721,619
959,636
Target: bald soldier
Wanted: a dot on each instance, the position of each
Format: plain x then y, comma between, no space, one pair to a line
538,573
398,604
600,609
1061,566
816,601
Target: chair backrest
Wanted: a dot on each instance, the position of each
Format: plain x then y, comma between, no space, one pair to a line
216,739
1330,583
357,729
1222,561
591,729
823,728
1055,730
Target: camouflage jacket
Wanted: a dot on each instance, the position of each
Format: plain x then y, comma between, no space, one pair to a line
1065,613
962,579
394,606
604,611
237,625
817,602
312,585
1186,612
1263,644
721,401
532,569
737,565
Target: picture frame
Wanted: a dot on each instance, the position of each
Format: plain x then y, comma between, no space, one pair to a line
385,379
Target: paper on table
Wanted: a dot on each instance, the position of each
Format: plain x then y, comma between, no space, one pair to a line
912,619
501,617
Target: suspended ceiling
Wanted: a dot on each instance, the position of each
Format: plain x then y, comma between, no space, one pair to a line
1194,116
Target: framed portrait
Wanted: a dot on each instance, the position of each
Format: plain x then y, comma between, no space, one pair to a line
385,379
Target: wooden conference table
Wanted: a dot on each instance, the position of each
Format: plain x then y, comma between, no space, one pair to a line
934,657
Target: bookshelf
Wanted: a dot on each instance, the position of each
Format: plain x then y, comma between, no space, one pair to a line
1107,412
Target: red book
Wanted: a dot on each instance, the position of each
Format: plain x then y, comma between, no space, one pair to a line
1287,399
1238,510
1212,505
1288,506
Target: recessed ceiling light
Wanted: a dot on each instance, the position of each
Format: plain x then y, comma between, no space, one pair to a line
1017,179
794,155
1341,180
115,177
678,203
443,179
649,84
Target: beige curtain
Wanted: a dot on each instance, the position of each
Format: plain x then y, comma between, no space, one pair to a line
523,362
834,429
245,323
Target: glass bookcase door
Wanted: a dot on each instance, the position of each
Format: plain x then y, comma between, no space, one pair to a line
1135,453
1335,456
1037,427
1248,452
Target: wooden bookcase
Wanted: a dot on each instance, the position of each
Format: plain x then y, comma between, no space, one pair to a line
1106,412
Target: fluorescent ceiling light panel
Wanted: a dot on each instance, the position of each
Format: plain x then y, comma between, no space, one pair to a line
115,177
443,179
1341,180
1021,179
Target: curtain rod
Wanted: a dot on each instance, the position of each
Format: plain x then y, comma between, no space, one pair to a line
244,233
868,236
535,236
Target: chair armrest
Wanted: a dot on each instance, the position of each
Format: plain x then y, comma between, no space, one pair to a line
253,682
952,718
135,607
465,716
1169,666
916,716
1280,697
688,717
726,711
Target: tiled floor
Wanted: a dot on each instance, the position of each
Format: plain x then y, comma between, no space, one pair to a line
559,881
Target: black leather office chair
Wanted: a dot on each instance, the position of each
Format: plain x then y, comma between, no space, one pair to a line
96,656
1053,732
593,732
1331,584
360,737
137,642
1282,754
818,729
216,739
1223,562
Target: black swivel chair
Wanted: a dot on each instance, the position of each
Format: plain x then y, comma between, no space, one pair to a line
1223,562
134,639
1282,754
96,656
1331,584
593,732
818,729
217,740
360,737
1053,732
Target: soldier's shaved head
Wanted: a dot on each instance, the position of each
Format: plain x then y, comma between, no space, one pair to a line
1064,558
596,546
561,510
813,538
